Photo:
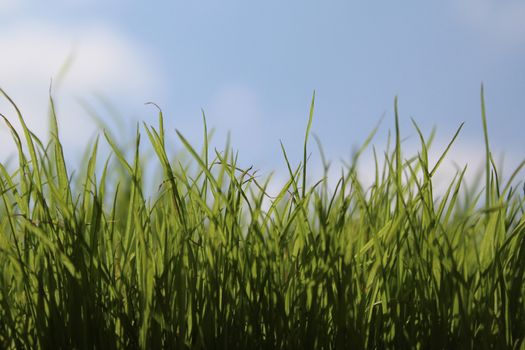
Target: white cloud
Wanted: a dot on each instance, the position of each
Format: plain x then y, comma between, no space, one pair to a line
502,22
7,6
104,61
462,152
10,6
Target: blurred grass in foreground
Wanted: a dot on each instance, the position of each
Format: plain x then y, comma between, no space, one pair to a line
212,261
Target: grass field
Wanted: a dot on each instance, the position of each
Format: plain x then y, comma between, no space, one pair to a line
211,260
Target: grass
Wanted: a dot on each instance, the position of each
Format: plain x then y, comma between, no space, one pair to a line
212,261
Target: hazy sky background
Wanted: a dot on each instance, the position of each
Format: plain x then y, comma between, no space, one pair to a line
252,67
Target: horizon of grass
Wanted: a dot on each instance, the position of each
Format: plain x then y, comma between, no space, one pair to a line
212,261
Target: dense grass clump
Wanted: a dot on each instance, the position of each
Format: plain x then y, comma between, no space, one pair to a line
211,260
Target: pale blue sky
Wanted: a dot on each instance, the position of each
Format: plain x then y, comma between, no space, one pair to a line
252,66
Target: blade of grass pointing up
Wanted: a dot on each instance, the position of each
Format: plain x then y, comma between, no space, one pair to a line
206,156
60,163
157,140
29,141
398,158
487,150
310,117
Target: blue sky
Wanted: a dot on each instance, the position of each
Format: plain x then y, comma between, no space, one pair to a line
252,66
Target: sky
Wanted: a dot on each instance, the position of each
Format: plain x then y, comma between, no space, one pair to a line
252,67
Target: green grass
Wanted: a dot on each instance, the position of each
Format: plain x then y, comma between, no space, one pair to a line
210,260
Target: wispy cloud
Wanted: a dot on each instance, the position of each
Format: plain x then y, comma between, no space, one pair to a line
7,6
463,153
104,61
